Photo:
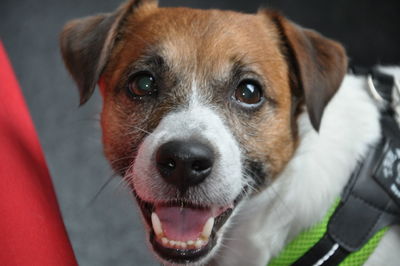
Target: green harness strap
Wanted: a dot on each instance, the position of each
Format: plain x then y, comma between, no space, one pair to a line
307,239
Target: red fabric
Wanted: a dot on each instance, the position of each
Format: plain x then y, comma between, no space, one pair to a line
31,227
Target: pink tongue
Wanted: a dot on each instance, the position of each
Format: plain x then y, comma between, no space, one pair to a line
182,224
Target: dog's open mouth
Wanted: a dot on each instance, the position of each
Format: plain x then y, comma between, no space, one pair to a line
182,232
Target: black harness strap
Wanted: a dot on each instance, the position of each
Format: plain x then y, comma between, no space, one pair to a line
371,199
388,172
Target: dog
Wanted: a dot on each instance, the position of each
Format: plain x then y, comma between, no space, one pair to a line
235,132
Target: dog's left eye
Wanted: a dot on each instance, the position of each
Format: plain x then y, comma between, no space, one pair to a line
248,92
142,84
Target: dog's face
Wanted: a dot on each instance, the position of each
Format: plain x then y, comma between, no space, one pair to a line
199,109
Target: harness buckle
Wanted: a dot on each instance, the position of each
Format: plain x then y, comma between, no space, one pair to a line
386,100
374,92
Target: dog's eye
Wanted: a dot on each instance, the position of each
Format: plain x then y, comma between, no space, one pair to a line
142,84
248,92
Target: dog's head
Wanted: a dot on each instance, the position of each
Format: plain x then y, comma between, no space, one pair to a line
199,108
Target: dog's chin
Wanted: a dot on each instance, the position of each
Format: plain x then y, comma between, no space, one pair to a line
204,225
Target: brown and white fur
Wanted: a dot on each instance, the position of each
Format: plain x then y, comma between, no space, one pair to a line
282,163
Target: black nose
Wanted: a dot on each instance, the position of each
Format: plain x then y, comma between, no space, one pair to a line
184,163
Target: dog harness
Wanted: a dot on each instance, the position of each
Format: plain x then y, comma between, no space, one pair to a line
370,202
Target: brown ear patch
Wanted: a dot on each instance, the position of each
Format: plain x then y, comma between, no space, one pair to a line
86,44
318,63
82,43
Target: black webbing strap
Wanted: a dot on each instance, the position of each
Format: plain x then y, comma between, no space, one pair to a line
371,199
388,172
326,251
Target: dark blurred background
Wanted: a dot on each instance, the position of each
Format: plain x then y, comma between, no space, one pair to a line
100,215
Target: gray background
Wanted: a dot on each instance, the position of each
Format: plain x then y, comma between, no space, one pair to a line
105,229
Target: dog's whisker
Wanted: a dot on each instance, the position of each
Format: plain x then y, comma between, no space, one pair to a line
143,130
249,180
125,181
101,189
252,188
138,129
130,157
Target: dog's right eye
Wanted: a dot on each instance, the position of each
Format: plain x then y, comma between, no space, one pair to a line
141,85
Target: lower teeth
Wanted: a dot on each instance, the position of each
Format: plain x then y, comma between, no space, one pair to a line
191,244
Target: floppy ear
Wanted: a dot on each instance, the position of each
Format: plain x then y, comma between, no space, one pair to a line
319,64
86,45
